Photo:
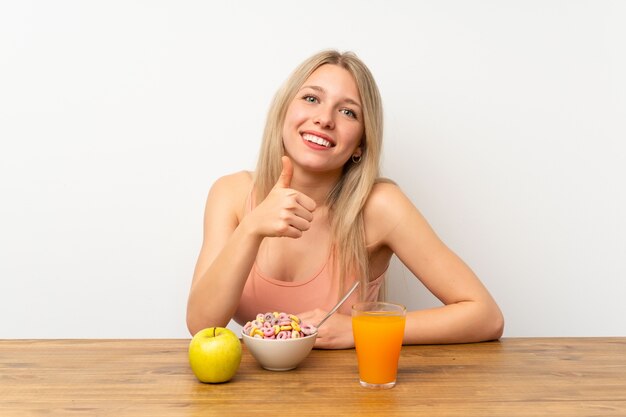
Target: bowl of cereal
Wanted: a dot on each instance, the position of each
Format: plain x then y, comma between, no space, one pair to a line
278,341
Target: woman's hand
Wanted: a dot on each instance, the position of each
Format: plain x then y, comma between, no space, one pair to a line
335,333
285,212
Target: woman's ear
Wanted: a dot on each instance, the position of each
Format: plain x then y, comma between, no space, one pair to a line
357,155
359,149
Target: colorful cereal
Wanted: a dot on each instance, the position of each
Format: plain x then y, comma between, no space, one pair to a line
274,325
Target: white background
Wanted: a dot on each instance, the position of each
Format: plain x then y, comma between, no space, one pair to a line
505,124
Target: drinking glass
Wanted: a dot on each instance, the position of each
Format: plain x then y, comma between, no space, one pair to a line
378,330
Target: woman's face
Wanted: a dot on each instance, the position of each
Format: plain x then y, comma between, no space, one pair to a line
324,123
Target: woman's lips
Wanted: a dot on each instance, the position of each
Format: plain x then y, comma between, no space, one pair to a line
318,140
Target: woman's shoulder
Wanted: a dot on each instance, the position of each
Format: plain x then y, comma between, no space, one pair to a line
232,190
385,198
237,180
385,208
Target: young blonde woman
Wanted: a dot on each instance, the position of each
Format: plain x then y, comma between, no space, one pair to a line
315,216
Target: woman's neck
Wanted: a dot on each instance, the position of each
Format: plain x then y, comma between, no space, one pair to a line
316,185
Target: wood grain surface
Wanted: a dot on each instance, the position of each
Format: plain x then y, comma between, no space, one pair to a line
512,377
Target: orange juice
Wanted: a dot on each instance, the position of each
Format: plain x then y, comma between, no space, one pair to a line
378,341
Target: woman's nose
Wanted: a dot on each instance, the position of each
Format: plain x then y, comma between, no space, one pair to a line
324,118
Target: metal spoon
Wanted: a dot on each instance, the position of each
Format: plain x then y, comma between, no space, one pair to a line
335,308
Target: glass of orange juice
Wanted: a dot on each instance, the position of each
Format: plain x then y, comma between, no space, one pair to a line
378,330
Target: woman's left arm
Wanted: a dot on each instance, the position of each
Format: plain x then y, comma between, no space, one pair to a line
469,313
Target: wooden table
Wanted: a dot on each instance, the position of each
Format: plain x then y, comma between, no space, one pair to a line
513,377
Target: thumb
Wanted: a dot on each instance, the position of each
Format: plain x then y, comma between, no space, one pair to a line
284,181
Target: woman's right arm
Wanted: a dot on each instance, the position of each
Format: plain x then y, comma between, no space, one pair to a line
231,243
228,251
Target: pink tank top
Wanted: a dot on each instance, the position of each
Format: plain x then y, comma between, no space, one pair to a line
263,294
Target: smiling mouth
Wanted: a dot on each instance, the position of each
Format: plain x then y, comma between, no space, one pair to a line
317,140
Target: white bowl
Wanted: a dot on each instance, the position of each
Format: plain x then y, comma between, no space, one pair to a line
279,354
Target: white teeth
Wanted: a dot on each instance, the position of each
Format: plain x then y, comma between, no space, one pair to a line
316,139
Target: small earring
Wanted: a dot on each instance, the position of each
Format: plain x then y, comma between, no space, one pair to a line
356,158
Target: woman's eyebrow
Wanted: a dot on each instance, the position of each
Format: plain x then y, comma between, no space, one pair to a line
353,102
321,90
314,87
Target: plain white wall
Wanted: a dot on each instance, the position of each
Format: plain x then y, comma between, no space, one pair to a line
504,124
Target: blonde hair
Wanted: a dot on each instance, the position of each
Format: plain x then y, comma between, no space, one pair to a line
347,199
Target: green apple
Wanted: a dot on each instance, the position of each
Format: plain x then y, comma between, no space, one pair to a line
215,354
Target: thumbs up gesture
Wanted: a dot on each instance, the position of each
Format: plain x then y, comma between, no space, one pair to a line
285,212
284,181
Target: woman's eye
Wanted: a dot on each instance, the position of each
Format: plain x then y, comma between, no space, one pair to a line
349,113
310,99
